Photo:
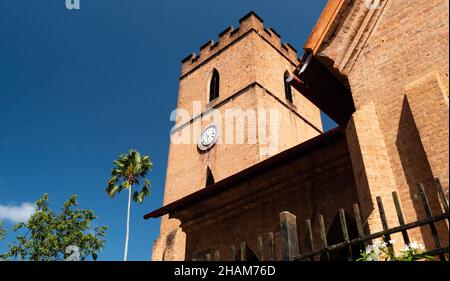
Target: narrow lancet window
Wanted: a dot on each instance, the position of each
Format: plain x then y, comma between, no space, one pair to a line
287,87
214,86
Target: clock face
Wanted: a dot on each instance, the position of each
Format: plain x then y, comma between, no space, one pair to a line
208,137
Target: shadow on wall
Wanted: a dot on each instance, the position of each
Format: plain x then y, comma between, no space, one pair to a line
335,236
417,170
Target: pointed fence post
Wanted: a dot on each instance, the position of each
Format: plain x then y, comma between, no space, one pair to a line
243,251
289,238
233,253
309,237
323,237
217,255
270,251
260,248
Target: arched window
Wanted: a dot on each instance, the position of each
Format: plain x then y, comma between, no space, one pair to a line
287,87
214,86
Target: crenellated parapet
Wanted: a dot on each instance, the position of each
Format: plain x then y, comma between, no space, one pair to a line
247,24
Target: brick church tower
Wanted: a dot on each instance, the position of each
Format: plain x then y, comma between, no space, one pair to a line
243,74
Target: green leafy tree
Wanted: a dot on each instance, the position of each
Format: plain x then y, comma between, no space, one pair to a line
2,231
130,170
47,236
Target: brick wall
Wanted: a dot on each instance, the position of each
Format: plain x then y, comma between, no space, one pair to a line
396,58
314,183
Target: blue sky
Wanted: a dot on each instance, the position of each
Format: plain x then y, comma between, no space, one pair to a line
65,76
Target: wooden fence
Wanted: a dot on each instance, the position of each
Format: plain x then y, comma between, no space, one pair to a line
290,242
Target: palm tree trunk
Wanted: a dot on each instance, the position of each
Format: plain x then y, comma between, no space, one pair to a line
128,225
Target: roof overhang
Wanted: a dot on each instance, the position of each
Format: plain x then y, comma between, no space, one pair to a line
324,90
315,77
227,183
323,25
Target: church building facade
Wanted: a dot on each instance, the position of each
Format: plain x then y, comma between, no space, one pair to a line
379,69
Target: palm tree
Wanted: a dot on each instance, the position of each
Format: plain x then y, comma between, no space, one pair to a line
129,170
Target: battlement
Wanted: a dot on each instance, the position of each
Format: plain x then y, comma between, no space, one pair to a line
249,23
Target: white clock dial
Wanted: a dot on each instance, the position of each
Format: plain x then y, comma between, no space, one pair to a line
208,137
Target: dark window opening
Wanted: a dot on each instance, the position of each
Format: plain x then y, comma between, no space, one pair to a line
209,177
214,86
287,87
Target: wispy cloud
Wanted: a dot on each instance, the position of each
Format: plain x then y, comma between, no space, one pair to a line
17,213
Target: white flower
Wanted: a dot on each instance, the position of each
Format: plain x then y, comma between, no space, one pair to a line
412,249
416,246
378,251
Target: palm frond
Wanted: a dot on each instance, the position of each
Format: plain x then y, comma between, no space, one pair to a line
125,184
135,196
112,190
140,196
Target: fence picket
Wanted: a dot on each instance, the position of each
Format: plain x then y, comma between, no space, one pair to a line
243,251
444,200
359,224
270,253
345,231
323,236
289,239
217,255
260,248
233,253
401,219
426,206
309,236
385,225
